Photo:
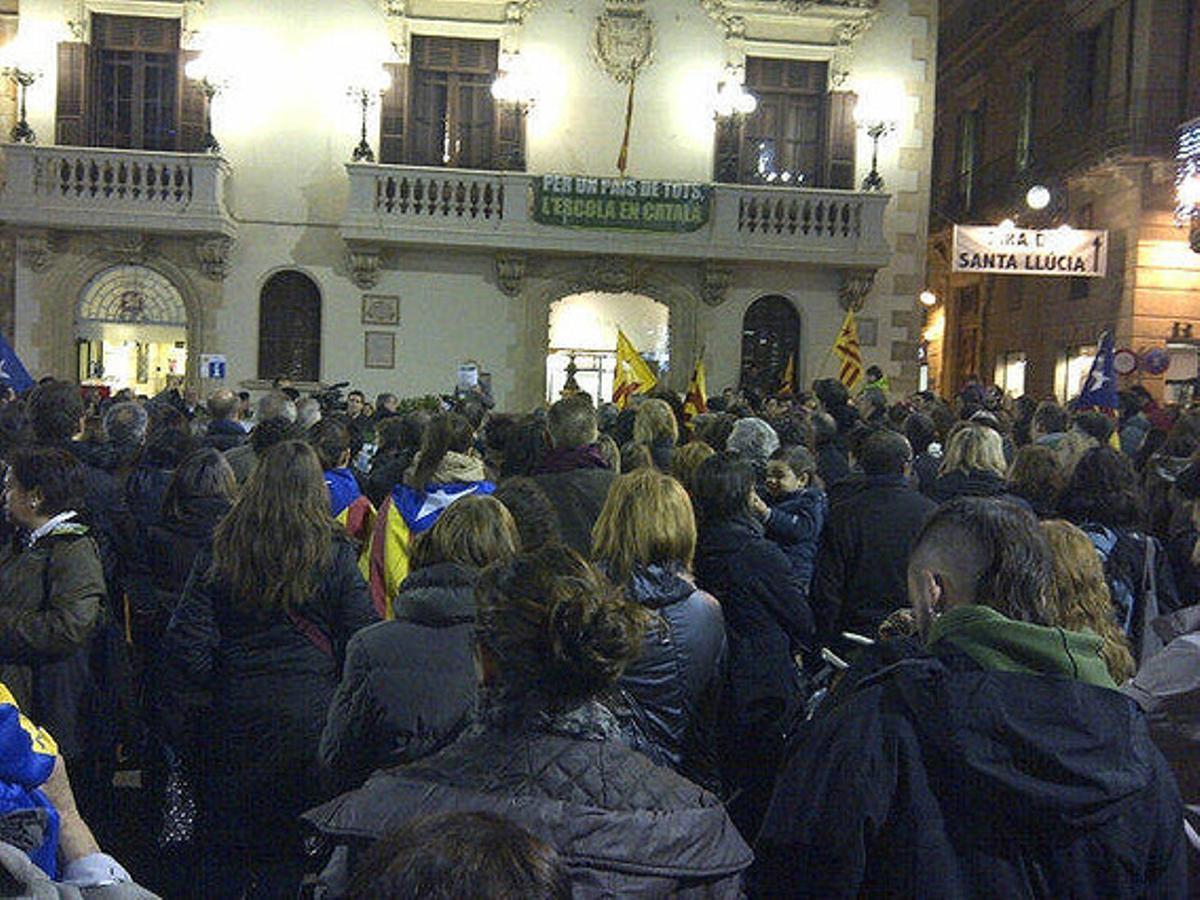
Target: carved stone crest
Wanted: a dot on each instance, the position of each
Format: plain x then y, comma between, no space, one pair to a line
213,256
715,281
364,265
856,284
623,41
510,271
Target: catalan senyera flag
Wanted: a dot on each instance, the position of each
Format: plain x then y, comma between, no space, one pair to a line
406,513
27,755
633,376
846,349
788,381
695,402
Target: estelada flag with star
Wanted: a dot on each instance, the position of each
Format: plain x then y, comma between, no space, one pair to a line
695,402
1099,390
633,376
12,372
846,349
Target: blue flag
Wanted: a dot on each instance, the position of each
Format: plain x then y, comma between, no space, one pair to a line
12,372
1099,390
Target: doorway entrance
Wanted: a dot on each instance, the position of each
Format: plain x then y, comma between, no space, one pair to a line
131,331
583,339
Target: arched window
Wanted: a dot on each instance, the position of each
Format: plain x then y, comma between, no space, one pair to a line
770,346
289,328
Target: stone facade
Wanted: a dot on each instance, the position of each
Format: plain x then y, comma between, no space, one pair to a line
287,129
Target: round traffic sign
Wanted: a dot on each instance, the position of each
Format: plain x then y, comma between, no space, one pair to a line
1125,361
1156,360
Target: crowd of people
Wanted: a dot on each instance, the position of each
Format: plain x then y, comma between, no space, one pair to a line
804,645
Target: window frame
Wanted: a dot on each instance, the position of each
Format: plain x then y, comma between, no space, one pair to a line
274,340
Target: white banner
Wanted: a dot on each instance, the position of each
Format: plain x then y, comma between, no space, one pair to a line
1007,250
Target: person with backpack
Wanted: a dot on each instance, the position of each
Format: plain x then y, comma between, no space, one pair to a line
1103,500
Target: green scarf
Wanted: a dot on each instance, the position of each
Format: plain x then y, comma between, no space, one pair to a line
999,643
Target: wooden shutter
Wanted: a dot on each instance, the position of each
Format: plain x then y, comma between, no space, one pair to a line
192,107
841,143
508,135
727,154
393,110
71,118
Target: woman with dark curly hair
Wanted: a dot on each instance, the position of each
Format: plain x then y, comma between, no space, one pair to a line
552,636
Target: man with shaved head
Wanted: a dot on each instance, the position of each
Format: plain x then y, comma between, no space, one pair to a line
999,762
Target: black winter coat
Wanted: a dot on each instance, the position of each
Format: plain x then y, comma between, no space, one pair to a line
833,461
939,780
387,471
677,679
270,686
861,574
623,826
224,434
767,622
577,496
408,688
975,483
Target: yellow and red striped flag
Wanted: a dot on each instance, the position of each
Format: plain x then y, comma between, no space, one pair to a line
695,402
633,376
788,381
846,349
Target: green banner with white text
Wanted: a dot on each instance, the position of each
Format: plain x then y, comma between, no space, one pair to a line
627,203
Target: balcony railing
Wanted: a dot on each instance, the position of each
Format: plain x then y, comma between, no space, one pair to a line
413,205
90,188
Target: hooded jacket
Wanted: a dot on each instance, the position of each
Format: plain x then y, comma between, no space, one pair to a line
795,523
676,681
408,688
940,777
623,826
408,512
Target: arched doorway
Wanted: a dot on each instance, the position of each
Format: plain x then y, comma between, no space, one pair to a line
770,346
131,331
583,339
289,328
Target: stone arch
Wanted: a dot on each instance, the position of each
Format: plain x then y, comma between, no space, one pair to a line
561,278
134,294
59,294
771,336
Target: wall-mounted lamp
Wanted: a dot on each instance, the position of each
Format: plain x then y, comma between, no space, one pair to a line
928,299
366,92
514,83
733,100
18,64
1038,197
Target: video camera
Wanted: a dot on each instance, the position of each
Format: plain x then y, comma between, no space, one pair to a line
332,398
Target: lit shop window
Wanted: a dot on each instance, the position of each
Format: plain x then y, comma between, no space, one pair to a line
1071,369
1010,373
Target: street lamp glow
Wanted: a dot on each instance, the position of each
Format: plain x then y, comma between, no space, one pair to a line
1038,197
928,298
1007,225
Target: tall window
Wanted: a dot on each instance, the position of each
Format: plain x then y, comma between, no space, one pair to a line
289,328
1025,122
127,88
135,90
452,106
770,345
967,158
784,138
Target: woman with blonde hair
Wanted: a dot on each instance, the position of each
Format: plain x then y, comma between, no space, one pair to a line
645,539
973,466
654,425
1079,599
409,685
687,460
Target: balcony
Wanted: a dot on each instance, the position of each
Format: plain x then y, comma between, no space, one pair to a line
416,206
88,188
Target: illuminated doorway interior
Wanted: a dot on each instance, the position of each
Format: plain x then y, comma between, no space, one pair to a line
583,331
131,331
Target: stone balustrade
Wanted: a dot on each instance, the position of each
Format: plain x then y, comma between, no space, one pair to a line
420,206
128,190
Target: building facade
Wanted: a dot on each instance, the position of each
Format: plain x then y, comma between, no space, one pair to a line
379,210
1084,98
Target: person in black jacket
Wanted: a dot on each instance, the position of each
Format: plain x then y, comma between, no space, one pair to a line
408,688
573,474
261,629
201,492
224,431
552,637
1001,762
860,574
767,621
974,465
645,540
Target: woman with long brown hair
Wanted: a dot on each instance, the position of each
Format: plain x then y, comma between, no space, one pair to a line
260,631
